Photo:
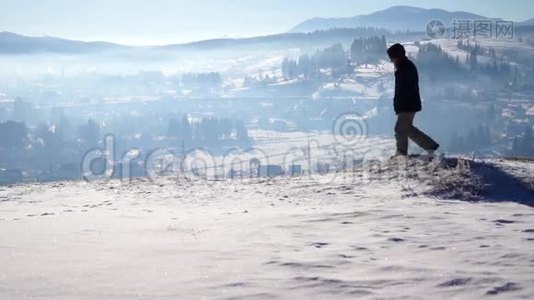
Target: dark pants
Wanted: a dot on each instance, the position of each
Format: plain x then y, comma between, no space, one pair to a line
404,129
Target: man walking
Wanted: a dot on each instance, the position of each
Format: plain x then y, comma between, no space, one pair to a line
406,103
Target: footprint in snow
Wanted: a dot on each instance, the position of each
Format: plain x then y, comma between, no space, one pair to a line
319,245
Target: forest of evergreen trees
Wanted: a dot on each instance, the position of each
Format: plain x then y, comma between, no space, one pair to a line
474,140
432,60
335,57
195,80
523,146
208,131
13,135
368,50
435,64
47,145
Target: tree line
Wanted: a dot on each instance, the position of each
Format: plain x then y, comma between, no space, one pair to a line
362,50
209,130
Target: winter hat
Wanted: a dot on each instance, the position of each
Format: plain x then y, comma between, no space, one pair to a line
396,51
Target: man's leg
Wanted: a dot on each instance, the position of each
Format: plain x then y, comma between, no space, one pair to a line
420,138
402,131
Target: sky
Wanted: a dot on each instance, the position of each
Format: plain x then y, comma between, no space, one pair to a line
156,22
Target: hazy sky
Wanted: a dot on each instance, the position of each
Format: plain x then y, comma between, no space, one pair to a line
173,21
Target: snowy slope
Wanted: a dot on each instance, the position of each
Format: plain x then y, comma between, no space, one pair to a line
422,231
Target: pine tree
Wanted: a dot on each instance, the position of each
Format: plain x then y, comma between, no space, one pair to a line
304,65
90,133
285,67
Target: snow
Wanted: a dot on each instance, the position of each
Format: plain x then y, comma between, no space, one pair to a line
341,235
450,46
371,70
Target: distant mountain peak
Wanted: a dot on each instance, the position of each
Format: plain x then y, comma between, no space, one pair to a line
528,22
13,43
401,17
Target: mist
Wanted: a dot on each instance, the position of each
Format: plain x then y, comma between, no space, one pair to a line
66,100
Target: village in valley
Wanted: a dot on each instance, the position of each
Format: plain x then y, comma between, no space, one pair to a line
244,100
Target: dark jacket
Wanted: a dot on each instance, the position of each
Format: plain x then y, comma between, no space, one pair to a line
407,98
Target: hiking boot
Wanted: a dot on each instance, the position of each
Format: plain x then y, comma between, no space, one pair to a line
398,155
431,152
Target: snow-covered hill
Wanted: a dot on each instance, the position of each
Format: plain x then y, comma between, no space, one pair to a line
382,230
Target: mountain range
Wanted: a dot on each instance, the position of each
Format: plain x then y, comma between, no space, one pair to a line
12,43
395,19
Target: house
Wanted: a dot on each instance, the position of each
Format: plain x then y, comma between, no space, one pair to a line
270,170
